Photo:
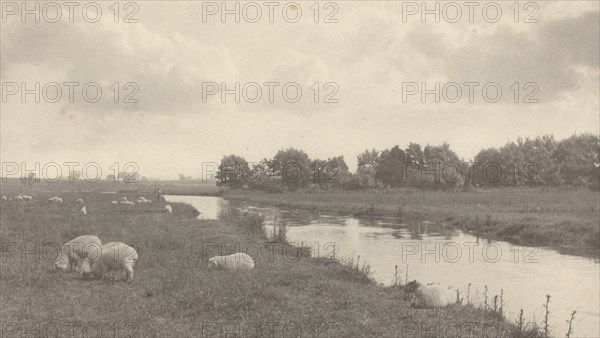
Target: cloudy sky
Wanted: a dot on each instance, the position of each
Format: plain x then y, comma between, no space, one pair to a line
366,61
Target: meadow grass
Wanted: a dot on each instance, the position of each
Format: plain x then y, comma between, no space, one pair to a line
173,294
559,218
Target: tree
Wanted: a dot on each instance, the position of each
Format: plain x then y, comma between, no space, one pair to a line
293,166
182,177
330,172
74,175
390,165
578,159
368,158
232,172
444,165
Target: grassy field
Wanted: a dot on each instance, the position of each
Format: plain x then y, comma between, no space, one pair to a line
561,218
174,295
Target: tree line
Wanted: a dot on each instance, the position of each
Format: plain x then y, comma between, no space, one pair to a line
542,161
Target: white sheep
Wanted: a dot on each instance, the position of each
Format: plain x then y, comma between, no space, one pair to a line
169,209
74,251
4,198
236,261
429,296
143,199
18,198
79,201
127,203
115,256
27,198
84,210
114,202
55,199
124,199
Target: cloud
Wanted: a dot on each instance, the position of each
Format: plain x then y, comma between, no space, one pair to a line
368,54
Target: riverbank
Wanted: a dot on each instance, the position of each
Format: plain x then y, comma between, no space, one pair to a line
173,293
558,218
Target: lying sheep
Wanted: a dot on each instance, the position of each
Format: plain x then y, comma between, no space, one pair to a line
79,201
76,250
236,261
84,210
114,202
169,209
18,198
429,296
127,203
55,199
27,198
143,199
115,256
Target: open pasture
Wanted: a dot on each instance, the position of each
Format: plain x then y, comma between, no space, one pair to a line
173,292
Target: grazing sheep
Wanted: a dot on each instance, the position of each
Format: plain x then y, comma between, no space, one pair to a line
79,201
18,198
27,198
143,199
124,199
127,203
114,202
115,256
84,211
429,296
55,199
4,198
74,251
236,261
169,209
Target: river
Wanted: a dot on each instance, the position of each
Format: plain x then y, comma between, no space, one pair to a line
452,258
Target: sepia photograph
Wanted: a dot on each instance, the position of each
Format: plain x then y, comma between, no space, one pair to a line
303,168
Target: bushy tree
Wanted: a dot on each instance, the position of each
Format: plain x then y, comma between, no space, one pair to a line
232,172
293,166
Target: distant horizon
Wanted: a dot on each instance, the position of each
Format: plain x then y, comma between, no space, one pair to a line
352,165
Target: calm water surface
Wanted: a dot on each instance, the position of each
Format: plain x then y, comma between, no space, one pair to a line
449,257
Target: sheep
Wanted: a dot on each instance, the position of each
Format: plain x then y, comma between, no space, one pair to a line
429,296
18,198
79,201
74,251
124,199
55,199
169,209
27,198
236,261
114,256
3,198
84,210
127,203
143,199
114,202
